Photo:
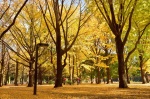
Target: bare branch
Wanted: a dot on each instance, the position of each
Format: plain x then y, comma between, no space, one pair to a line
2,34
5,11
137,42
130,22
44,16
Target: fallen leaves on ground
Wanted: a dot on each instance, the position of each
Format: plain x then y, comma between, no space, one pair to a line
90,91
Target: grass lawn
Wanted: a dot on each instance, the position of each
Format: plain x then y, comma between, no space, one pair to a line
101,91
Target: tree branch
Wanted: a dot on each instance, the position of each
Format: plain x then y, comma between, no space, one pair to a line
2,34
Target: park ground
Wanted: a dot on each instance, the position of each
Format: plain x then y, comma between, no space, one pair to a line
82,91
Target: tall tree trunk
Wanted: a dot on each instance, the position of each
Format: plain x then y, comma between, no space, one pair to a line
7,74
80,72
146,76
98,79
107,63
1,79
142,70
70,70
22,76
98,76
77,66
108,75
58,82
30,83
2,63
127,74
91,76
73,61
121,66
143,76
16,74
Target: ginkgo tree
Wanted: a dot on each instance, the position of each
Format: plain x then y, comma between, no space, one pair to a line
119,17
27,33
140,24
98,43
75,58
143,49
143,17
63,19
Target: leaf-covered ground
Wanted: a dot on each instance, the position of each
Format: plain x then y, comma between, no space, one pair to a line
101,91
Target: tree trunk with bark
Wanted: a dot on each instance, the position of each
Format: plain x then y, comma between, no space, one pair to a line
30,83
22,75
58,82
146,76
143,75
142,70
91,76
70,70
127,74
121,66
7,74
1,79
16,74
98,78
2,63
108,76
107,63
73,61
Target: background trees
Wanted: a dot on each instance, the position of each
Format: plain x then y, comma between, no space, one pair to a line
8,15
29,30
81,40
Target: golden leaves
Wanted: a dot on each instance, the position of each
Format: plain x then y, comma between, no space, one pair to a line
88,91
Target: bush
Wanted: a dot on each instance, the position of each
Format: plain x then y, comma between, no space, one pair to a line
69,82
51,82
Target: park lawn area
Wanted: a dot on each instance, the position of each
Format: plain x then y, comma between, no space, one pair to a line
83,91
